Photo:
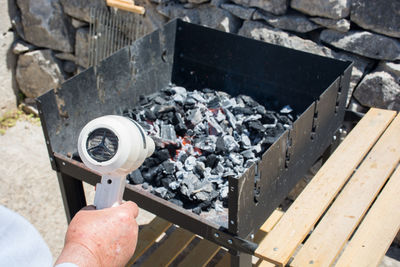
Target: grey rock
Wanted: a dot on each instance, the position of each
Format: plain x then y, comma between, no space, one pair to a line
82,47
379,89
341,25
8,99
206,15
218,3
245,13
78,23
334,9
69,67
297,23
45,24
20,47
66,56
197,2
391,68
364,43
37,72
81,9
260,31
381,16
277,7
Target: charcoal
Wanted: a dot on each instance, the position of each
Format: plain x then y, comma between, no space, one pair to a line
245,141
161,191
248,154
196,210
200,168
177,202
230,144
236,158
165,109
214,128
214,103
180,99
242,110
196,96
168,167
136,177
194,116
188,184
151,162
224,191
168,133
212,161
143,100
190,163
252,118
203,138
174,185
145,186
162,155
159,100
260,110
248,101
179,90
206,143
166,181
256,126
182,157
286,109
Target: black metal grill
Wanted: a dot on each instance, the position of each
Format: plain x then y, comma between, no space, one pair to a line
196,57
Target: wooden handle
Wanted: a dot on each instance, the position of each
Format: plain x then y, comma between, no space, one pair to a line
126,5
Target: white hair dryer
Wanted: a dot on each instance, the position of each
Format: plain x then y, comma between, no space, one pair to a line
113,146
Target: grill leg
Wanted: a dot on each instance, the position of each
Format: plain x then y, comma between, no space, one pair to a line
240,259
72,194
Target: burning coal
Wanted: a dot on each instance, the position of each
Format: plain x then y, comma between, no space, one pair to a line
202,138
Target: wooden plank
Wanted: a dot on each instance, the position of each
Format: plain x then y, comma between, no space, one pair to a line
378,229
297,222
170,249
225,261
201,254
334,229
148,235
272,220
262,263
268,225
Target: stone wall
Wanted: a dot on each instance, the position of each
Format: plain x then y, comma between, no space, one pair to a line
52,37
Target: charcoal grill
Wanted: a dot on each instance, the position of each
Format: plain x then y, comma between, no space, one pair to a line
197,57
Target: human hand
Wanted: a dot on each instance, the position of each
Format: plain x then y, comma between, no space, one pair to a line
104,237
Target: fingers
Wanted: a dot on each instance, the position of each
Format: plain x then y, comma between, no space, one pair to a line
90,207
132,208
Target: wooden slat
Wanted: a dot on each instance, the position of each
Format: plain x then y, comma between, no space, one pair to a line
378,229
201,254
297,222
148,235
262,263
272,220
332,233
225,261
170,249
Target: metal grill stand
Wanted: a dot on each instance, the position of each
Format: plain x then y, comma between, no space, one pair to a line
197,57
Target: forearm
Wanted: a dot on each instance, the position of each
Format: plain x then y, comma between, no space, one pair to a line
77,254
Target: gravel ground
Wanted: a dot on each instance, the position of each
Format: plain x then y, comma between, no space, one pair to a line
29,186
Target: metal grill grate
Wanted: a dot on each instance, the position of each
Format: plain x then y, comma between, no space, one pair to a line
110,31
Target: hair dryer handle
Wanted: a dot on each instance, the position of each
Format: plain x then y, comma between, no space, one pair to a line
109,192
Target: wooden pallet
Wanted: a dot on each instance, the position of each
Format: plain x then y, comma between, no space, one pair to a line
348,214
